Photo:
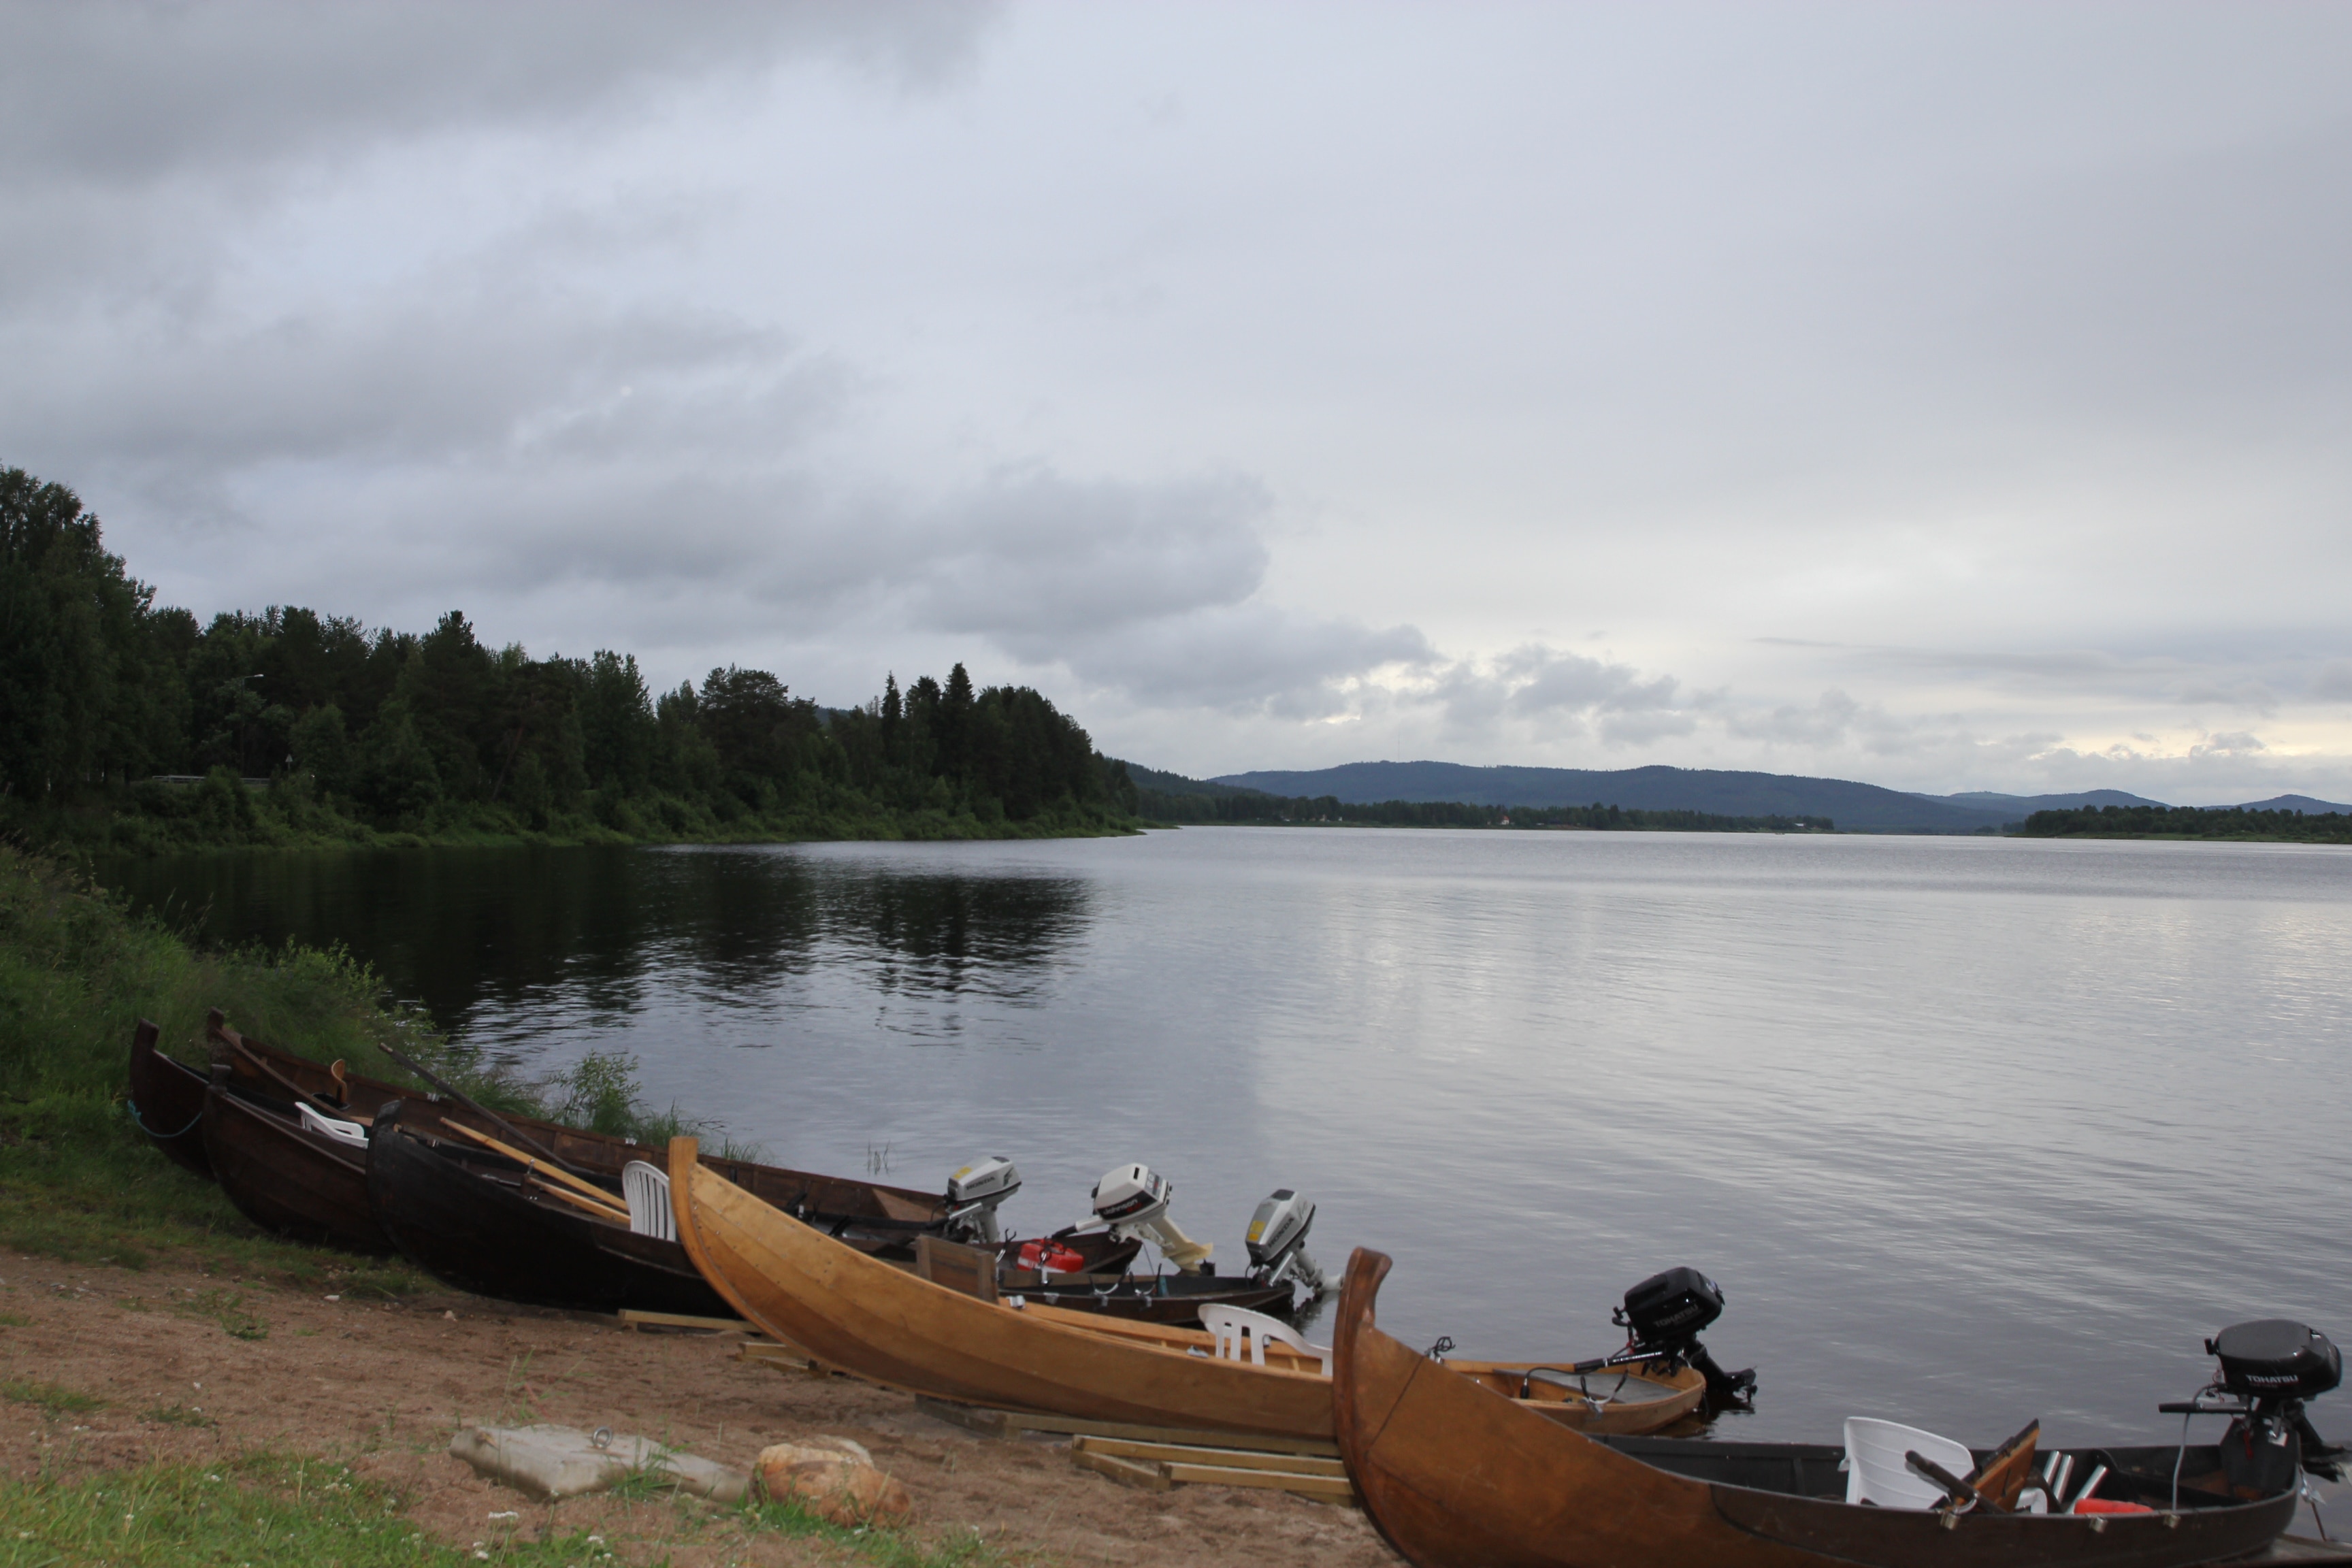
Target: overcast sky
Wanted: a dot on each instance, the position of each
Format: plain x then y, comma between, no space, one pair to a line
1947,396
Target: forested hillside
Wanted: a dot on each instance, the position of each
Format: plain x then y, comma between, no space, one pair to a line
2189,822
356,733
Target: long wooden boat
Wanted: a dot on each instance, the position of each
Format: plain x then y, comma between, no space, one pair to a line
1454,1476
866,1213
853,1312
286,1177
167,1102
478,1221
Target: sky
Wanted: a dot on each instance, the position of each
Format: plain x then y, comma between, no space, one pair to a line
1950,396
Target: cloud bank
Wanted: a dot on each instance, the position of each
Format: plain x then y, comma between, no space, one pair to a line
1693,384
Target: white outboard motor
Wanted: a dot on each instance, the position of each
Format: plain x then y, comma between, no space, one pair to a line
1277,1241
974,1194
1133,1200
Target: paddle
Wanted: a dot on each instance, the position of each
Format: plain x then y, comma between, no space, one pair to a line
462,1097
1951,1483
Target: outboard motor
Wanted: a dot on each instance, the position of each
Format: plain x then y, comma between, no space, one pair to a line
2274,1365
1277,1241
1133,1202
974,1194
1662,1318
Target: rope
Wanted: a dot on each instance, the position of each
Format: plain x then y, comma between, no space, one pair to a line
160,1137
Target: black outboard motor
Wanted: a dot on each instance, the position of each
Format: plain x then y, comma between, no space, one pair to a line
2275,1365
1663,1316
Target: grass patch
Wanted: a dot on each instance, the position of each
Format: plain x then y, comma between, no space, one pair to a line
14,1320
227,1309
180,1415
269,1508
876,1543
242,1514
53,1399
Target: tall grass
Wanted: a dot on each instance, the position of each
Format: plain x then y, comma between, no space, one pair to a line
78,971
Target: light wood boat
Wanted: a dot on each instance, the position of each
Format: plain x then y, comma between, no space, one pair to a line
862,1316
1456,1476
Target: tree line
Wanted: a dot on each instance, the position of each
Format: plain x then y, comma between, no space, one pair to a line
1256,807
130,724
2189,822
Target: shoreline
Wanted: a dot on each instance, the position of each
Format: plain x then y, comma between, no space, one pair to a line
175,1365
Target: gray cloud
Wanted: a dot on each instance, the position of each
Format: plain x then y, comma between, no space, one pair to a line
124,93
1103,346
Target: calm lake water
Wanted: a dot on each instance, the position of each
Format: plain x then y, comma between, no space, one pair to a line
1970,1130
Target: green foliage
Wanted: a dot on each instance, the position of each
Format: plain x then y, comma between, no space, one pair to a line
111,709
52,1400
78,1179
2189,822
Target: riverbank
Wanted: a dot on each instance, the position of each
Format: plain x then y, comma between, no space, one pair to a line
175,1414
176,1387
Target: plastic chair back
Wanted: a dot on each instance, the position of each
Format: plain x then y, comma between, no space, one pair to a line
350,1133
646,1188
1232,1326
1875,1470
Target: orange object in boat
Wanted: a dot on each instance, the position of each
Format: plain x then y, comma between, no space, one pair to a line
2101,1505
1051,1255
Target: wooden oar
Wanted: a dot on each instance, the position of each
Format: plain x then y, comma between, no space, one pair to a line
601,1211
531,1162
462,1097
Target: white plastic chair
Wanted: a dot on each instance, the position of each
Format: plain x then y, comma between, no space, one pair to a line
1875,1472
346,1132
1231,1326
647,1187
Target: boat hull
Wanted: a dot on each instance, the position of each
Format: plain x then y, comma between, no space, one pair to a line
863,1316
301,1184
167,1100
1454,1476
475,1232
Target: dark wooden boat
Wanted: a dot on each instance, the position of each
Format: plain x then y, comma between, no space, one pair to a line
474,1219
464,1213
1454,1475
871,1215
286,1177
167,1102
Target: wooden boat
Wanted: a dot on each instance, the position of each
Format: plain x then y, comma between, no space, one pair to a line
478,1220
286,1177
1454,1475
167,1102
853,1312
880,1218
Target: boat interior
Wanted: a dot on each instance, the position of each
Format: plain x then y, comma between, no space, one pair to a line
1818,1470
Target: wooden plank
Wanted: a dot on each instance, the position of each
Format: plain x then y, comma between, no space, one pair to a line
632,1318
1336,1488
970,1417
781,1356
1193,1454
1012,1423
1126,1472
968,1270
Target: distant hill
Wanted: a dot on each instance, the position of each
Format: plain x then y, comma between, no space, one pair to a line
1177,784
2295,803
2026,804
1853,806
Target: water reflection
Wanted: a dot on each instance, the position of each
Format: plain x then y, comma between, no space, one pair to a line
477,935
